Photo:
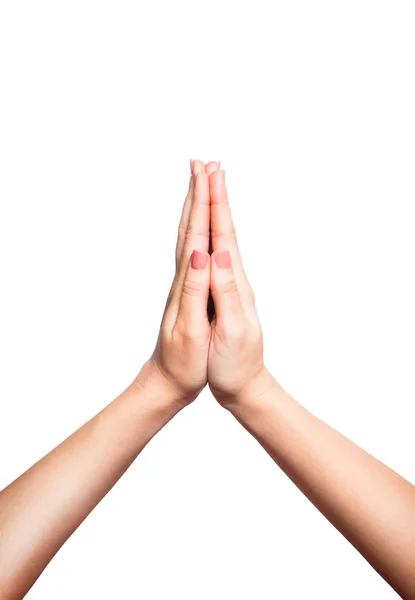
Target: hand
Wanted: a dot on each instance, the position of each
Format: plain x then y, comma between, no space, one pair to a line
179,361
235,364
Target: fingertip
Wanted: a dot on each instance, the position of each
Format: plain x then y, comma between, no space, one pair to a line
201,175
201,181
198,166
211,166
217,186
217,177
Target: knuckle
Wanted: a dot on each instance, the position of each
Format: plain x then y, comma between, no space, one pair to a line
187,336
191,288
256,336
229,287
242,333
194,233
164,336
222,237
237,338
236,334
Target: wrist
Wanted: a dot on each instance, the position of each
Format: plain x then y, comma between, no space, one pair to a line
144,407
158,390
257,389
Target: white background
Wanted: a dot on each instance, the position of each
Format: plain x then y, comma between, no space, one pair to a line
310,106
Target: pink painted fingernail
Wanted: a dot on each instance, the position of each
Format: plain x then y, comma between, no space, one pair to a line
199,259
222,259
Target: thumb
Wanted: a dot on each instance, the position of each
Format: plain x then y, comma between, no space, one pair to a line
194,295
225,293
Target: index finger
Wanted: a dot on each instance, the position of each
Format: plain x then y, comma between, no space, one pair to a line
196,166
223,231
196,236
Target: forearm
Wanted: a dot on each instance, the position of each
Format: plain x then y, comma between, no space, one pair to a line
371,505
42,508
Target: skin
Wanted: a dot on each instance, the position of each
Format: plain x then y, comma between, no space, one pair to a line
371,505
44,506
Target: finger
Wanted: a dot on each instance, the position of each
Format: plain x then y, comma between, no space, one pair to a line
197,230
223,235
192,314
197,236
184,219
212,166
196,166
225,292
222,227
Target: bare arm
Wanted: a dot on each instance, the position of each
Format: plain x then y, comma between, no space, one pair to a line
371,505
42,508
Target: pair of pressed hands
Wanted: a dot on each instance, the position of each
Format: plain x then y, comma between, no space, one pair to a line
371,505
192,349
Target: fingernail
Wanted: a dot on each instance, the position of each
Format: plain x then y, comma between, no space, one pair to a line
199,259
191,166
222,259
